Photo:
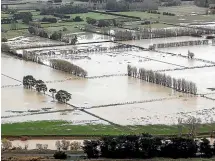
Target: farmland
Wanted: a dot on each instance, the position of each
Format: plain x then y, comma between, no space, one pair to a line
107,101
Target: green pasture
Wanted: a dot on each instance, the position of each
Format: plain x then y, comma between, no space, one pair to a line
67,128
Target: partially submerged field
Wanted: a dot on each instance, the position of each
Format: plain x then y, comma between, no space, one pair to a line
101,104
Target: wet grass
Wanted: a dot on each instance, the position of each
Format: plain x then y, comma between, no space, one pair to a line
66,128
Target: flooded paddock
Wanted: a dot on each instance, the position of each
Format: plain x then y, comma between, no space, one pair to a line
17,68
159,105
8,81
86,37
27,101
178,61
33,41
165,112
203,77
201,51
74,117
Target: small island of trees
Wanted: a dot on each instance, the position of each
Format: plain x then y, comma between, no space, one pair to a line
29,82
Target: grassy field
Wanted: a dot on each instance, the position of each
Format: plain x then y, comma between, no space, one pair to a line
183,10
19,26
65,128
171,19
14,33
51,27
97,16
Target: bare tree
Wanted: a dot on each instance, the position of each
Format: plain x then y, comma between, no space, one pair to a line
193,125
180,125
75,146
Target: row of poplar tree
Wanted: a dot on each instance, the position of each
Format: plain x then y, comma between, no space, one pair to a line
162,79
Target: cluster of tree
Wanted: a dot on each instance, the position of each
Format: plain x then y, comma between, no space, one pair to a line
91,21
117,6
65,145
71,41
63,9
30,82
99,23
3,39
63,96
145,22
67,67
42,33
169,14
162,79
56,35
61,16
147,146
40,86
47,19
123,35
25,16
37,31
78,19
154,12
6,20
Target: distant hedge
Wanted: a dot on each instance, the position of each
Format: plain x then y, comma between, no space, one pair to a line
147,146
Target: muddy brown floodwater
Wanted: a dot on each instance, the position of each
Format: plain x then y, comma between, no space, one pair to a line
159,105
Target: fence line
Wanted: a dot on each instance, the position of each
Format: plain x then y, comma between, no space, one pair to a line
131,102
15,85
205,66
183,56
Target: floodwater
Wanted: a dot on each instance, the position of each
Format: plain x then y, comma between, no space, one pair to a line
84,37
32,143
176,60
34,41
165,112
69,47
206,52
108,90
74,117
203,77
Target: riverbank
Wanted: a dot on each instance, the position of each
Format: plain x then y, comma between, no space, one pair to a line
56,129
